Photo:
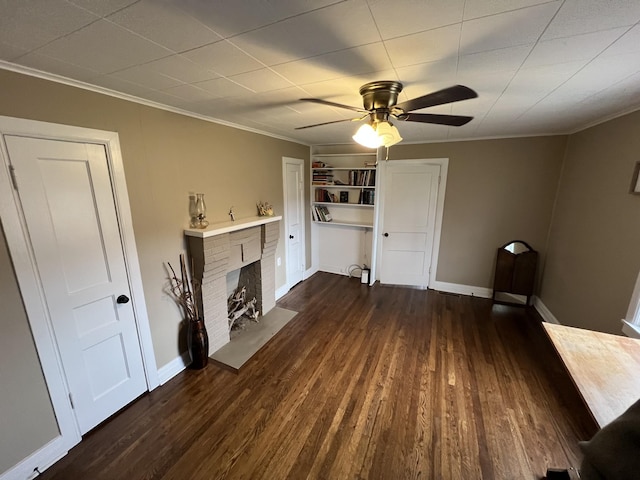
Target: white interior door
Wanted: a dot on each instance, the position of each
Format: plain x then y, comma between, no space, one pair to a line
66,195
408,224
294,219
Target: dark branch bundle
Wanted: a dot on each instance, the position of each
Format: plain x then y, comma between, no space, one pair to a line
184,290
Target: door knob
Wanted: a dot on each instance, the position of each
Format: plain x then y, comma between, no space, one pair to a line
122,299
291,237
385,234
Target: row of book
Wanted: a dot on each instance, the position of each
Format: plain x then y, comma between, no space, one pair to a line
321,213
367,197
322,177
323,195
317,164
365,178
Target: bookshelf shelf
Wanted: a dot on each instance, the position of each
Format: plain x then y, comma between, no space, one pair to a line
345,204
345,224
344,195
343,188
338,186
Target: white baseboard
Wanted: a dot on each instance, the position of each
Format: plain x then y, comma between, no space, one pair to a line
544,312
281,292
470,290
630,330
41,459
309,272
173,368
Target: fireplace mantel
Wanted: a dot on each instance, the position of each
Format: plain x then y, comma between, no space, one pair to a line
226,227
248,245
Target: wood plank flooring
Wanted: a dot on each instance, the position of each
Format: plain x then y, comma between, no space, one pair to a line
379,383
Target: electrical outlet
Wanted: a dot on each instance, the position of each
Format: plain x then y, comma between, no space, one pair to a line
279,261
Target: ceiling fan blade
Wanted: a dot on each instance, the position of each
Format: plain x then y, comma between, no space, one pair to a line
333,104
451,120
447,95
329,123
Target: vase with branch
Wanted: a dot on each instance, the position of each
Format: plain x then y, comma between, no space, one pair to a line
184,291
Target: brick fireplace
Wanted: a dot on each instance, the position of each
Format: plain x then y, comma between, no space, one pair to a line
248,245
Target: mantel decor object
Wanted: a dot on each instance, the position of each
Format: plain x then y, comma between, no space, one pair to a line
184,291
265,209
197,211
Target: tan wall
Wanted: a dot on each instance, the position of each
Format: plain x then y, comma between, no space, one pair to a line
27,420
165,156
497,190
594,248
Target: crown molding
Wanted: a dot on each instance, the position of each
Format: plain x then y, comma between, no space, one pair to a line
52,77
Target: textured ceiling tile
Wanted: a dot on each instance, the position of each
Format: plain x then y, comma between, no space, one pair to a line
484,8
223,87
535,83
510,58
261,80
347,24
102,7
404,17
165,24
519,27
143,75
51,65
520,77
584,16
440,71
438,44
176,66
231,17
164,98
567,49
224,58
358,60
346,89
189,93
119,85
104,47
11,52
31,24
628,43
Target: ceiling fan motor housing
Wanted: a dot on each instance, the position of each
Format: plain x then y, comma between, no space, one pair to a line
380,95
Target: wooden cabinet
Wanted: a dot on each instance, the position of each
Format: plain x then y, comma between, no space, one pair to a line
515,273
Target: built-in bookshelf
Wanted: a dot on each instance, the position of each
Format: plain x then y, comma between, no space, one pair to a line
343,188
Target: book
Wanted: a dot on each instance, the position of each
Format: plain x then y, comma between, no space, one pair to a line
325,213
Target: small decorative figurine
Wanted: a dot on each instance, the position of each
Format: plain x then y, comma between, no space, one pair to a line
265,209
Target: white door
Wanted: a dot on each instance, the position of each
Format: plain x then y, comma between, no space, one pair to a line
294,219
408,224
66,195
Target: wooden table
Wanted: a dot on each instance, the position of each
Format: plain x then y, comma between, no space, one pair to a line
605,368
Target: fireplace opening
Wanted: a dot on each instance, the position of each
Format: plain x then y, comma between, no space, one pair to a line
242,310
224,261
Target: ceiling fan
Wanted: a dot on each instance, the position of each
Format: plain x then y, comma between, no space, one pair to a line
380,104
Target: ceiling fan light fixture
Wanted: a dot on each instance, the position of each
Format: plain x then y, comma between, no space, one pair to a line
388,134
367,136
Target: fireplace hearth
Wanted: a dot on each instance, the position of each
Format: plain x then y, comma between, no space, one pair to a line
248,245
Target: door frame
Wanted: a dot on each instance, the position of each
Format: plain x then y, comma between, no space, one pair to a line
25,266
442,186
300,162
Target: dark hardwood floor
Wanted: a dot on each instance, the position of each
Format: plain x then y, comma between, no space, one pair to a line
379,383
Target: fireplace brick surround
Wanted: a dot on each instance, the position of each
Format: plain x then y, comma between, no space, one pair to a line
248,245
